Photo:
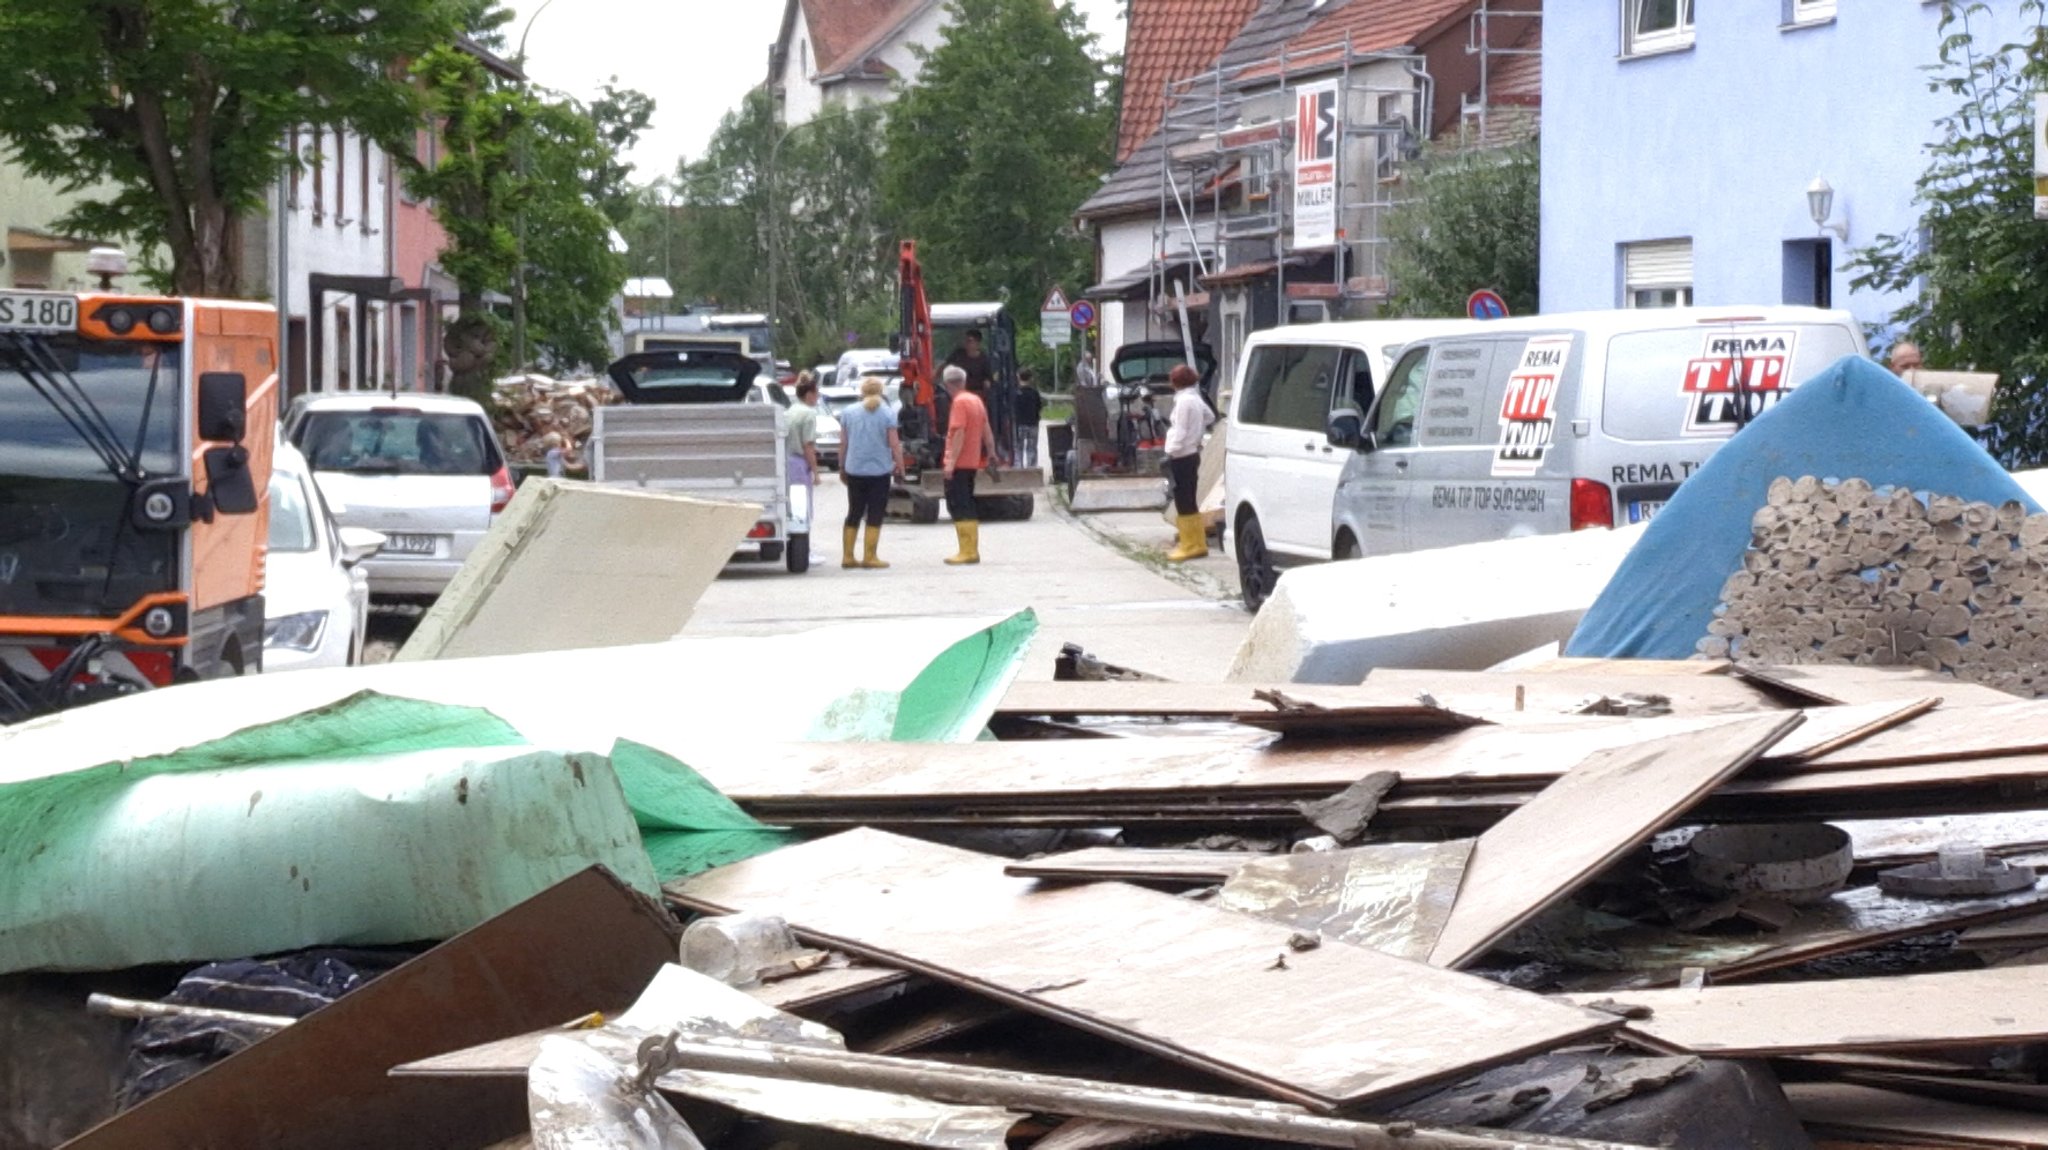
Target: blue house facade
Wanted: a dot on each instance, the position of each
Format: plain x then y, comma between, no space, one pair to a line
1678,156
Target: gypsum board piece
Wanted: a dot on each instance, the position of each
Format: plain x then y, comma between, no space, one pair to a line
1198,985
1051,1094
1586,821
1908,1012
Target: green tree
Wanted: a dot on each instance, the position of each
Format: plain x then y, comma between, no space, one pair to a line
724,218
837,250
1009,127
476,190
183,107
573,274
1469,220
1975,272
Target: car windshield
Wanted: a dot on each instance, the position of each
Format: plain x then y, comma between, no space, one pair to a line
398,441
292,529
67,542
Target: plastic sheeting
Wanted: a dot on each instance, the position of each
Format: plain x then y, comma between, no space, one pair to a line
930,680
1854,420
373,821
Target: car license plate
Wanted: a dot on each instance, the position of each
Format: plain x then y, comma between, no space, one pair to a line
1644,510
411,544
38,311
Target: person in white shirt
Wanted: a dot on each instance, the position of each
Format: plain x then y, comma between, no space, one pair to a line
1191,418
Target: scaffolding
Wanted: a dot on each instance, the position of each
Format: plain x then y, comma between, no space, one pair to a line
1483,40
1226,178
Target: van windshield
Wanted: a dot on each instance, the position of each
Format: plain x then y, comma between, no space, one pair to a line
1704,381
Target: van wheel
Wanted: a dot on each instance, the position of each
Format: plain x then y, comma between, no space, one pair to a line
1347,548
1255,572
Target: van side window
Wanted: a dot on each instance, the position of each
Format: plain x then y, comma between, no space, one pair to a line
1290,387
1395,425
1358,388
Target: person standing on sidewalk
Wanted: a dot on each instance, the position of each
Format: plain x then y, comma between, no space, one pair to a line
1030,409
970,446
1191,418
873,456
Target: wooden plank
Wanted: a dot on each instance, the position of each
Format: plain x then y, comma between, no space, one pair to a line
826,986
1392,710
1910,840
1830,729
1950,734
2024,933
1135,864
1017,773
1197,984
1860,1111
1493,693
1585,821
1587,665
1392,897
1831,684
1902,1012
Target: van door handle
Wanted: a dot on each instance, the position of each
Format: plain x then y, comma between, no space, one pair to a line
1400,465
1310,447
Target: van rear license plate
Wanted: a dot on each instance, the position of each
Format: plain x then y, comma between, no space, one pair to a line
1644,510
411,544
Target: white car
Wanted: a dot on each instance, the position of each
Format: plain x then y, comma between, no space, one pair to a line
426,470
316,599
830,434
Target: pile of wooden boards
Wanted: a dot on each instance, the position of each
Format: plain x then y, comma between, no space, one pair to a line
1839,572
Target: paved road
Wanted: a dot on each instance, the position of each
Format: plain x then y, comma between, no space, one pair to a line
1101,585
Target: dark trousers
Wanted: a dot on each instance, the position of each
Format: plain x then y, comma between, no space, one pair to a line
867,497
960,497
1027,445
1185,470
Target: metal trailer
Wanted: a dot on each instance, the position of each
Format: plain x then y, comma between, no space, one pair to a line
685,428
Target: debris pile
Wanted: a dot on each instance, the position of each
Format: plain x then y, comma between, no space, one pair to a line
1840,572
1437,909
530,408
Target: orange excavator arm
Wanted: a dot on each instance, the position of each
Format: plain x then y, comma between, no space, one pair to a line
915,327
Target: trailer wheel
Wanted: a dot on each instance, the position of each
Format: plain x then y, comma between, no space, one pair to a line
924,509
798,557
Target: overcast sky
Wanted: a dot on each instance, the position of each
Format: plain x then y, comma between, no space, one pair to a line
697,58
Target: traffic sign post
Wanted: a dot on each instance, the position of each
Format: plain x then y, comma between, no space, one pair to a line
1054,328
1485,304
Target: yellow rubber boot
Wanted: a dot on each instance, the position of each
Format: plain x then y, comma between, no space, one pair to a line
970,544
847,559
1194,540
874,541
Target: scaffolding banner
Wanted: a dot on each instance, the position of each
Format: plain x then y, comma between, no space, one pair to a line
1315,165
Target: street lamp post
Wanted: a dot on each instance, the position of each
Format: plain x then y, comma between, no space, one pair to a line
519,268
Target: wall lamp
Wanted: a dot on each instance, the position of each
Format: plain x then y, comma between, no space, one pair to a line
1820,204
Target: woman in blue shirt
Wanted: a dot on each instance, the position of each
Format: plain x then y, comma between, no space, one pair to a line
872,456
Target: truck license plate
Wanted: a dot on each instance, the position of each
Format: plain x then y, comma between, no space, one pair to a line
1644,510
38,311
411,544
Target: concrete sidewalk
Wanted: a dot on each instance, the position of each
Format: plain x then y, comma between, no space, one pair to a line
1103,584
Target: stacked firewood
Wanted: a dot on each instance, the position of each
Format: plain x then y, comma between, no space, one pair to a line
1839,572
533,408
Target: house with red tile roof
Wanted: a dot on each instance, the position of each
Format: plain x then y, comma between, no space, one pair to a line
847,52
1204,196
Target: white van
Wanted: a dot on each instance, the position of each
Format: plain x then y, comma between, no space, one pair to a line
1556,423
1280,471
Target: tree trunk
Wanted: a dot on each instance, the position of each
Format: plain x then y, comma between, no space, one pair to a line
471,346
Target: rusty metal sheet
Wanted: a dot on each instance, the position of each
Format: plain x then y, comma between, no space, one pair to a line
589,942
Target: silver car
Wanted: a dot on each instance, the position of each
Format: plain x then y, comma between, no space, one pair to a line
426,471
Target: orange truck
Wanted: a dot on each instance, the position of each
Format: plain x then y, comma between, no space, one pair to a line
135,444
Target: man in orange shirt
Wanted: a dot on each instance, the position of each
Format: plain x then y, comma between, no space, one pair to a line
970,446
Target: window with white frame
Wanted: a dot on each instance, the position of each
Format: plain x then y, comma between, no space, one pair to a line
1809,11
1656,26
1657,274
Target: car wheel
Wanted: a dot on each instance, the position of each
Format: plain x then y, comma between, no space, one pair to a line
798,557
1255,572
1347,548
